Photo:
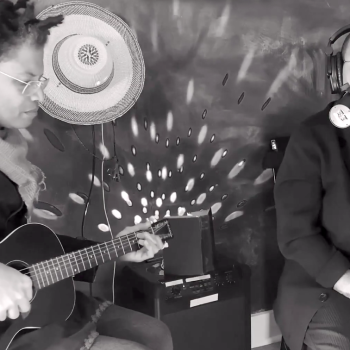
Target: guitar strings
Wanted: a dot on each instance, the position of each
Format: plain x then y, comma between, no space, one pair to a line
124,240
41,271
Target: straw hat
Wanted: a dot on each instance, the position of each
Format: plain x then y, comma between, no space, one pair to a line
94,65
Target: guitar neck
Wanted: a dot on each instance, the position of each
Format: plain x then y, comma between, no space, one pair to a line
65,266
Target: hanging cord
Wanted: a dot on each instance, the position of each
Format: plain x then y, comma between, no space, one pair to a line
91,186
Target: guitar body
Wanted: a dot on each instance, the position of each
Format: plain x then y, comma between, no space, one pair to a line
30,244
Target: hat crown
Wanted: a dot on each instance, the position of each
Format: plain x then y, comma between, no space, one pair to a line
84,61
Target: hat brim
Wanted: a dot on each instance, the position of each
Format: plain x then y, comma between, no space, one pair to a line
126,86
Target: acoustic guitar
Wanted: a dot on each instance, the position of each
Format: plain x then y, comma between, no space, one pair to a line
35,250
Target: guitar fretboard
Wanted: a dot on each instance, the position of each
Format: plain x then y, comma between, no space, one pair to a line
57,269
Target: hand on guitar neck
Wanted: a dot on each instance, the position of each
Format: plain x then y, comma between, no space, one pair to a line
151,243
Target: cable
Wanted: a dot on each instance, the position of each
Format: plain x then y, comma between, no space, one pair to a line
91,184
104,205
82,143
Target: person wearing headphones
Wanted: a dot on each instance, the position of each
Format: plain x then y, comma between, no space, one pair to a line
312,196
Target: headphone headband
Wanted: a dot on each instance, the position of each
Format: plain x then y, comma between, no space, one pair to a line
342,31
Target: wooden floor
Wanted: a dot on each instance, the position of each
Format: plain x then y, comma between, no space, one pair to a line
274,346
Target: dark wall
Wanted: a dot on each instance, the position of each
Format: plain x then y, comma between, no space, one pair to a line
222,78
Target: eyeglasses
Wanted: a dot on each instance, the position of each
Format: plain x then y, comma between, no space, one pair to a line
32,86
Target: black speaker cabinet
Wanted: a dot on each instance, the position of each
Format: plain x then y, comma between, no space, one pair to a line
191,252
203,313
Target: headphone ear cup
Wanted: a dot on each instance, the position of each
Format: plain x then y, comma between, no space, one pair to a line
333,76
339,64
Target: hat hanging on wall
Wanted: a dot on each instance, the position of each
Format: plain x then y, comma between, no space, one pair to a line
94,65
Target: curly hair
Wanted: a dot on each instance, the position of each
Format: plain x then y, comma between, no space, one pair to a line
19,28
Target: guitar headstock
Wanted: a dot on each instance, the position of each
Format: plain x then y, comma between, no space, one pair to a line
162,229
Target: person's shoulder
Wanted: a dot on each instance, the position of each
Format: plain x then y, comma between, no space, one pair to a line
317,125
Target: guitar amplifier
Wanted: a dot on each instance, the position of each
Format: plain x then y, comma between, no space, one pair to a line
202,312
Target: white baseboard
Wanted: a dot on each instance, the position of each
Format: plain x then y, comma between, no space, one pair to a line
264,329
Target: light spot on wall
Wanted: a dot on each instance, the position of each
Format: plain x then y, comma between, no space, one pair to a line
173,197
181,211
177,141
164,173
125,196
117,214
190,91
263,177
242,203
189,132
167,143
144,202
44,214
202,134
152,131
106,187
133,150
167,213
202,176
104,151
194,158
159,202
134,126
76,198
137,219
211,188
138,186
97,182
201,198
121,170
204,114
237,169
83,195
234,215
144,209
159,173
193,201
131,169
212,138
103,227
163,196
176,7
148,175
224,197
180,161
215,208
145,124
189,185
216,158
170,173
169,121
152,194
224,153
156,214
181,169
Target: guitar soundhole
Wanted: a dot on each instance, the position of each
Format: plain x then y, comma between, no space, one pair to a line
23,267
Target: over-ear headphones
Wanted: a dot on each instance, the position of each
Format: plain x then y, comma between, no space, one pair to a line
335,63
